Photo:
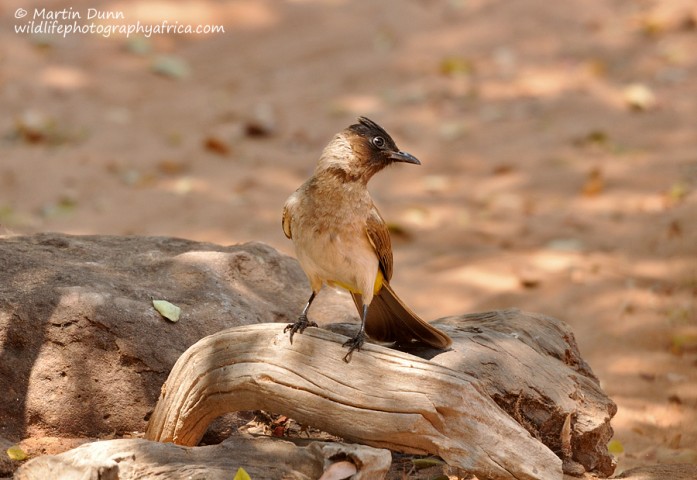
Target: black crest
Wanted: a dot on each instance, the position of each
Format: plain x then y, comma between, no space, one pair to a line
368,129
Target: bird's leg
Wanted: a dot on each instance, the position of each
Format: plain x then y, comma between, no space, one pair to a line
302,322
356,342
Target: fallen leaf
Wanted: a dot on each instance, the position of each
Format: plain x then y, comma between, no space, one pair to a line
170,66
139,45
16,453
529,278
171,167
255,128
674,442
428,462
216,145
594,184
676,193
639,97
241,475
679,342
674,229
168,310
594,137
63,206
597,67
502,169
653,25
615,447
456,66
339,471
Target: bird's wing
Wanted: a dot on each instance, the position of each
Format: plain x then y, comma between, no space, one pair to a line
379,238
285,219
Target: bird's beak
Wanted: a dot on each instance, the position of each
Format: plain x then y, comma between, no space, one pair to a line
404,157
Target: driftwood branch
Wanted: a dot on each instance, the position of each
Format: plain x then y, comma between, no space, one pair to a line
263,457
383,398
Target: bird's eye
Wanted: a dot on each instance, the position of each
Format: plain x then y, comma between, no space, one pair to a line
379,142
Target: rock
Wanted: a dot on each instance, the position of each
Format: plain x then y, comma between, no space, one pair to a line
261,457
82,350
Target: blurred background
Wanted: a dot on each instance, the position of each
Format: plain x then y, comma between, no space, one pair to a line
558,143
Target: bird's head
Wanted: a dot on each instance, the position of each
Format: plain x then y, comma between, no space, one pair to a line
362,150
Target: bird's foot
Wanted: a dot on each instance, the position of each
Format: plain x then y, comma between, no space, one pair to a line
298,326
354,343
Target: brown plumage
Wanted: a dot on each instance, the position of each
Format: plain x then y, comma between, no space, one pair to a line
341,239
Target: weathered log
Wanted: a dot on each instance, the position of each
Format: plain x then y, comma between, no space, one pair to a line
261,457
531,366
383,398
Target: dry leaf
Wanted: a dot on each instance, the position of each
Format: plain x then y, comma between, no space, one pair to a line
172,167
216,145
168,310
456,66
594,184
674,442
677,193
639,97
339,471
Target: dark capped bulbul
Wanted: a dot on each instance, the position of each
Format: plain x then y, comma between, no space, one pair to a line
341,240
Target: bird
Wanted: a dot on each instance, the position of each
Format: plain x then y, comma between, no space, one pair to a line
341,240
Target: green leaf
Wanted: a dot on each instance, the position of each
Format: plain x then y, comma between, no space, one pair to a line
16,453
171,66
242,475
168,310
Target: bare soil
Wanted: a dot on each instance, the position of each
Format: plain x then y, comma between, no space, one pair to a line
557,140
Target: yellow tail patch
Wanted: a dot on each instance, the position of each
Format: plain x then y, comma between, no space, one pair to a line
351,288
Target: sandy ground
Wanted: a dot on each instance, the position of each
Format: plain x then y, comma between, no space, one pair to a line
557,139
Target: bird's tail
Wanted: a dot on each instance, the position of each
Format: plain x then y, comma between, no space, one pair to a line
390,320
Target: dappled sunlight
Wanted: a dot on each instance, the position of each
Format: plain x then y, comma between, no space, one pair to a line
64,78
487,279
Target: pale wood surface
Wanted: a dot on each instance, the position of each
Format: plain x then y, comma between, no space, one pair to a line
261,457
383,398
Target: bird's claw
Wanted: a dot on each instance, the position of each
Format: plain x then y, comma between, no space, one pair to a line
354,343
298,326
